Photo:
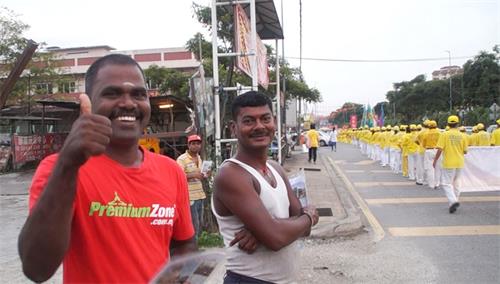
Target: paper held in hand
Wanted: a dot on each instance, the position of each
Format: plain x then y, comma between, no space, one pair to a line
206,166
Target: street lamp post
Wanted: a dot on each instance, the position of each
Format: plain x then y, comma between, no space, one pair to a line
449,72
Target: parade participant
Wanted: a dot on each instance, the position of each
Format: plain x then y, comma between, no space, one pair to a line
92,203
385,147
395,150
333,139
482,137
429,142
495,135
420,174
453,145
471,139
191,163
253,194
412,151
405,130
313,141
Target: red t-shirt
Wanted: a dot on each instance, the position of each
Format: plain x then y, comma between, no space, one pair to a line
123,218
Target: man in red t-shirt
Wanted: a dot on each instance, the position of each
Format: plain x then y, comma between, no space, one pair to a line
107,209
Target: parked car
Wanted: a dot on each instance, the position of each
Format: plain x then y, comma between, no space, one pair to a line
324,137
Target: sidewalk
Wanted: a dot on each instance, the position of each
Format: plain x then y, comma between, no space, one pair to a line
326,191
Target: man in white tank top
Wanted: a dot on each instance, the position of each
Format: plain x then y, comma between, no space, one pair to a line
258,214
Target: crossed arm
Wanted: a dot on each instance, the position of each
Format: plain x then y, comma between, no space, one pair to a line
239,197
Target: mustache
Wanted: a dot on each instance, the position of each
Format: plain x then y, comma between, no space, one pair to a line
259,134
121,112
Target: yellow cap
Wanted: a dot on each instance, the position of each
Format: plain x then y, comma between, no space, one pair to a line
383,128
432,123
474,129
498,121
447,128
426,122
453,119
480,126
413,127
395,128
419,127
462,128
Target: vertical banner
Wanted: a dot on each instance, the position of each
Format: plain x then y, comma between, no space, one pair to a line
243,43
353,121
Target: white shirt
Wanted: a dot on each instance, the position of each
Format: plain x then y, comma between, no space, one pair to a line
333,136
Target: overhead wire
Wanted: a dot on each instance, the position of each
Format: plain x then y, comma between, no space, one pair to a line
378,60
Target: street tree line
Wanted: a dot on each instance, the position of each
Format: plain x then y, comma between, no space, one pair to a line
412,101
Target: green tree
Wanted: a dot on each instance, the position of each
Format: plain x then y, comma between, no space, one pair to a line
481,79
296,88
168,81
43,67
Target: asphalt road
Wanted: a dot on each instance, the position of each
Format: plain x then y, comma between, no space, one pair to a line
410,224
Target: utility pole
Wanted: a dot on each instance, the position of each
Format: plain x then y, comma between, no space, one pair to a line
449,72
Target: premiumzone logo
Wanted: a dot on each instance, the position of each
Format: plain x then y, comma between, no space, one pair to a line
118,208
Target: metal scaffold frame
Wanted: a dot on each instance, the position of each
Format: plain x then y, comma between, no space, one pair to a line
270,28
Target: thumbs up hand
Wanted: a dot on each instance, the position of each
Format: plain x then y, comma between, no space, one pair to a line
85,104
89,136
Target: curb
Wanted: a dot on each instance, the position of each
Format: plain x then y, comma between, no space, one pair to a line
351,224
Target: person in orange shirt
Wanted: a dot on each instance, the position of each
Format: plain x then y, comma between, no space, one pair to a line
106,208
453,145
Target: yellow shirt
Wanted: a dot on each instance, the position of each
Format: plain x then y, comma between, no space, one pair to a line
495,137
472,139
482,138
189,166
430,138
313,137
418,138
454,146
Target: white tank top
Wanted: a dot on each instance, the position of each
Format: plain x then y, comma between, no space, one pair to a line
264,264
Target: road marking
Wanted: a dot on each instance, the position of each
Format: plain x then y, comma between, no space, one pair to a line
383,183
377,228
382,171
444,231
364,162
374,201
372,171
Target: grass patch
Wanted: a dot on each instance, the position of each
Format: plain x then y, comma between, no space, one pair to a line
210,240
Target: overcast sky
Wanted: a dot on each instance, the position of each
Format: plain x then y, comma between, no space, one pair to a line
332,29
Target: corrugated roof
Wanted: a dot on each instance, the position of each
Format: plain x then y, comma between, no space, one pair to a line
267,20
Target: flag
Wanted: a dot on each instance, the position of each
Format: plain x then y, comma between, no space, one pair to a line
363,119
369,116
381,117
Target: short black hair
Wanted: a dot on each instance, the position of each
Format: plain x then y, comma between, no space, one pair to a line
313,126
110,59
250,99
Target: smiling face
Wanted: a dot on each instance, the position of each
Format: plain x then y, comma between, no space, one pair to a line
119,93
254,127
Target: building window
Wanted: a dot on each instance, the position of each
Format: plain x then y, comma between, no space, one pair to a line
43,88
67,87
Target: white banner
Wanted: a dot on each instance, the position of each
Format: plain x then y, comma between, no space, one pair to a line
481,171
